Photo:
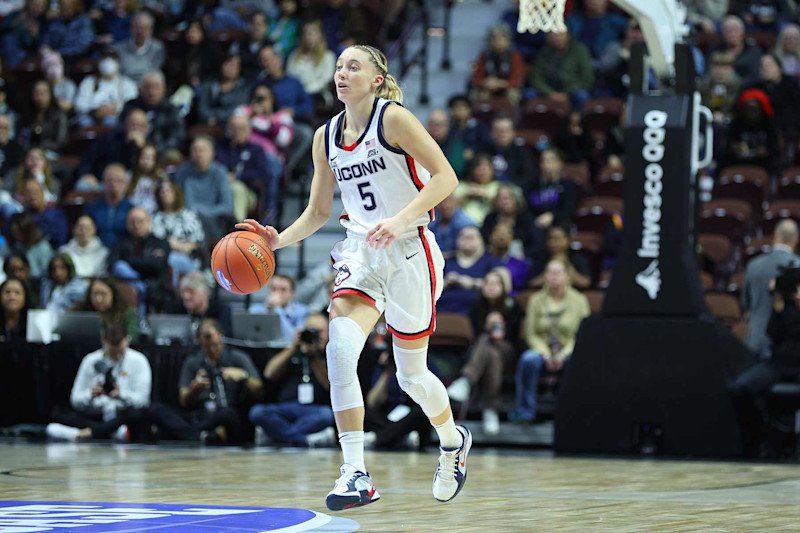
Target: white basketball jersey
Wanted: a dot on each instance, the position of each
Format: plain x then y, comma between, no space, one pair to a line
377,180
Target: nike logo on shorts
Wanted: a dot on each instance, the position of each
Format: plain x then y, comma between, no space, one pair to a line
412,255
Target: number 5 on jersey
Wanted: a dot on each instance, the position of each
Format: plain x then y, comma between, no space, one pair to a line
367,196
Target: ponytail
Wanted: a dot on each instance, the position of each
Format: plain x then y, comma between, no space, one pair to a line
390,90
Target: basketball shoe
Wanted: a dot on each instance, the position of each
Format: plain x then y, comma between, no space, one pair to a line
452,471
353,489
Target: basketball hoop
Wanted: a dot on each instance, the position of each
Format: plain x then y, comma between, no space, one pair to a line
544,15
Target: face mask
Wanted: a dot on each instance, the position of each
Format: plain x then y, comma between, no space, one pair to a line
108,67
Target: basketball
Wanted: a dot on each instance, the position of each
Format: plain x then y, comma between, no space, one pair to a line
242,262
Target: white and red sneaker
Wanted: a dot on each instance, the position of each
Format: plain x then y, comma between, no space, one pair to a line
354,488
452,471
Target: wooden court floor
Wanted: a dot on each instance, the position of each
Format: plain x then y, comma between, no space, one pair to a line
505,492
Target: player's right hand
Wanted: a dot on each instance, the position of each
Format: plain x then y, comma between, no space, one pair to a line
268,233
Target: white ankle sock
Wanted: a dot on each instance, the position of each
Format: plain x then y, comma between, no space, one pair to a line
353,448
449,436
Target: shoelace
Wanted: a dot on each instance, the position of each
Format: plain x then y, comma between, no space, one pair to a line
345,478
447,465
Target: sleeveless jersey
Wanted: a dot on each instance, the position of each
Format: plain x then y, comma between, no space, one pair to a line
377,180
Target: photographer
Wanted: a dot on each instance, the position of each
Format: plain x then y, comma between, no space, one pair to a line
215,385
750,389
111,391
301,375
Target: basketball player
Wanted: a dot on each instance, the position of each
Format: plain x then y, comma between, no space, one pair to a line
391,174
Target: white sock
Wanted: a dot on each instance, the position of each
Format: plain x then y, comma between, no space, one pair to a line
61,432
449,436
353,449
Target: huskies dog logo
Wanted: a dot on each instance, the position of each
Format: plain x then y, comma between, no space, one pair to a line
342,275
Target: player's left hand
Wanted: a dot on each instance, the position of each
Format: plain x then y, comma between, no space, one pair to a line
385,232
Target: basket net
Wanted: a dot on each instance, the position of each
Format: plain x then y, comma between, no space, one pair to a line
544,15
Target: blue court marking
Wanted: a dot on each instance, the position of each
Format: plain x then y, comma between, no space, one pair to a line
101,517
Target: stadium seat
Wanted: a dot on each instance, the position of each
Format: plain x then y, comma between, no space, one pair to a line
578,173
544,114
79,140
601,114
756,247
609,182
590,244
789,185
717,247
486,110
726,217
75,202
605,279
595,298
225,38
735,284
534,138
777,210
77,70
706,281
595,213
743,182
724,306
740,330
452,329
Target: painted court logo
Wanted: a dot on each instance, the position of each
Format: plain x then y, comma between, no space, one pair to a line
31,517
223,281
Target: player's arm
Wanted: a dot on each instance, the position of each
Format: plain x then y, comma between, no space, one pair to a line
402,129
318,211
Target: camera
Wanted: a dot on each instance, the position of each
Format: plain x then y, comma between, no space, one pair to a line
787,280
102,368
309,336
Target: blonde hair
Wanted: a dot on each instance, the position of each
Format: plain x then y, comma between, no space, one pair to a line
389,88
317,53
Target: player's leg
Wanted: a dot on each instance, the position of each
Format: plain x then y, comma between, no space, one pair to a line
351,320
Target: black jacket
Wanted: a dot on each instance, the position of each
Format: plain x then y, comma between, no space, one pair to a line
784,330
148,257
166,126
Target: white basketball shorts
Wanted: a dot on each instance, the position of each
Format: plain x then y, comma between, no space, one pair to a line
403,281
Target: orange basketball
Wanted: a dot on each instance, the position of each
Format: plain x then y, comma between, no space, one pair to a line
242,262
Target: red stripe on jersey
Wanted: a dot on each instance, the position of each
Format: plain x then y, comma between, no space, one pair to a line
344,217
354,292
351,147
417,182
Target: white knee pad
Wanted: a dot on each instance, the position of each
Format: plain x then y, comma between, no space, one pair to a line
347,339
418,382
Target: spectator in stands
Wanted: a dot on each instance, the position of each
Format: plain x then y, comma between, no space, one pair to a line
464,272
720,87
24,31
526,42
88,253
450,219
315,288
563,71
476,194
145,176
750,389
49,218
706,15
508,206
217,99
16,266
64,89
110,394
454,148
313,63
214,387
15,300
142,53
62,289
289,92
784,94
110,212
197,303
283,28
71,33
496,322
27,238
100,99
345,24
501,241
46,124
575,141
552,318
512,161
35,166
595,27
553,199
248,47
557,247
117,146
753,137
142,260
500,68
271,130
112,20
745,55
763,15
205,183
787,50
280,300
181,227
10,150
198,61
755,297
105,297
166,128
612,66
253,173
5,107
300,374
466,128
